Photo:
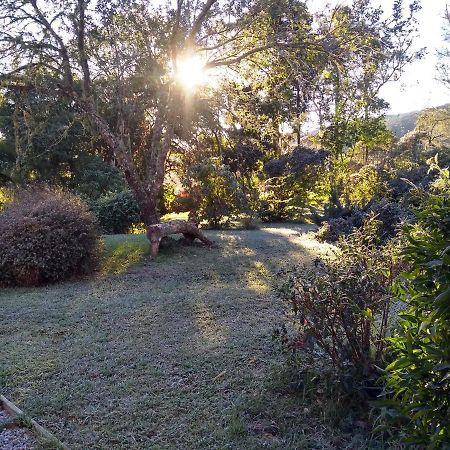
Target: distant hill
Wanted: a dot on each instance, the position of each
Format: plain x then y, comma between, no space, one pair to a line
400,124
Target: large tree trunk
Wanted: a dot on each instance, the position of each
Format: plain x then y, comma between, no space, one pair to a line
148,206
147,199
189,230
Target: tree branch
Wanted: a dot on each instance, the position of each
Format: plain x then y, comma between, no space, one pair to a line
81,40
200,19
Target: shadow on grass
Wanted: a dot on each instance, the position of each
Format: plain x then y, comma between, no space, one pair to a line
157,355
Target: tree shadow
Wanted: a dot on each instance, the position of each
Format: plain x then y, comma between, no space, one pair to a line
167,345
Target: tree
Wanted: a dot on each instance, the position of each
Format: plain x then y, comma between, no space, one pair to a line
116,64
435,123
370,51
46,140
119,65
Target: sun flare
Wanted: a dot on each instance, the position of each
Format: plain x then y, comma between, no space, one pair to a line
190,71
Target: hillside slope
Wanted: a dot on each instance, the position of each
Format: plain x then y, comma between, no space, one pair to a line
400,124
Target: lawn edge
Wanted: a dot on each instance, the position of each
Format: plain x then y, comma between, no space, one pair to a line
14,411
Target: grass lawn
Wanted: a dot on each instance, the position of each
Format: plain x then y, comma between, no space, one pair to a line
174,353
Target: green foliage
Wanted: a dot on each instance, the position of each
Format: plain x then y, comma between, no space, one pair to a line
7,157
92,178
267,212
390,216
274,206
168,198
362,186
117,212
298,181
6,196
434,122
46,236
418,380
339,227
183,203
249,222
215,193
340,309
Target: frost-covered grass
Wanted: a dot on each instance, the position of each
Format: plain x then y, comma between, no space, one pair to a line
173,353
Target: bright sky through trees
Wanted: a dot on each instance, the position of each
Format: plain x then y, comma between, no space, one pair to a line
417,88
190,71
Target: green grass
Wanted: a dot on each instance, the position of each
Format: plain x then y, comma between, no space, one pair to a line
175,216
171,353
122,251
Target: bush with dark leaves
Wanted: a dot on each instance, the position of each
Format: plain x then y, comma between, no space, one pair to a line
296,163
335,228
46,236
117,212
391,215
215,192
272,210
339,309
405,180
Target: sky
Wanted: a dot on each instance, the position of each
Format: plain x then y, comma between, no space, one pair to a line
417,88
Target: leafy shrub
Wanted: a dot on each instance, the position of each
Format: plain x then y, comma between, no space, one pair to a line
339,309
300,162
389,214
297,181
244,158
92,177
418,380
363,186
137,228
338,227
117,213
403,181
167,199
272,209
215,193
46,236
332,230
6,196
183,203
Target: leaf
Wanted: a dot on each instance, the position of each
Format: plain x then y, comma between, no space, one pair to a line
446,377
443,297
443,366
434,263
424,325
326,74
400,363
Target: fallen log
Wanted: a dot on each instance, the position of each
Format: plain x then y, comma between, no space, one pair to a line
188,229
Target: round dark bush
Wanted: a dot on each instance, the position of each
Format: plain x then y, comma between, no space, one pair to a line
46,236
117,213
389,214
332,230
